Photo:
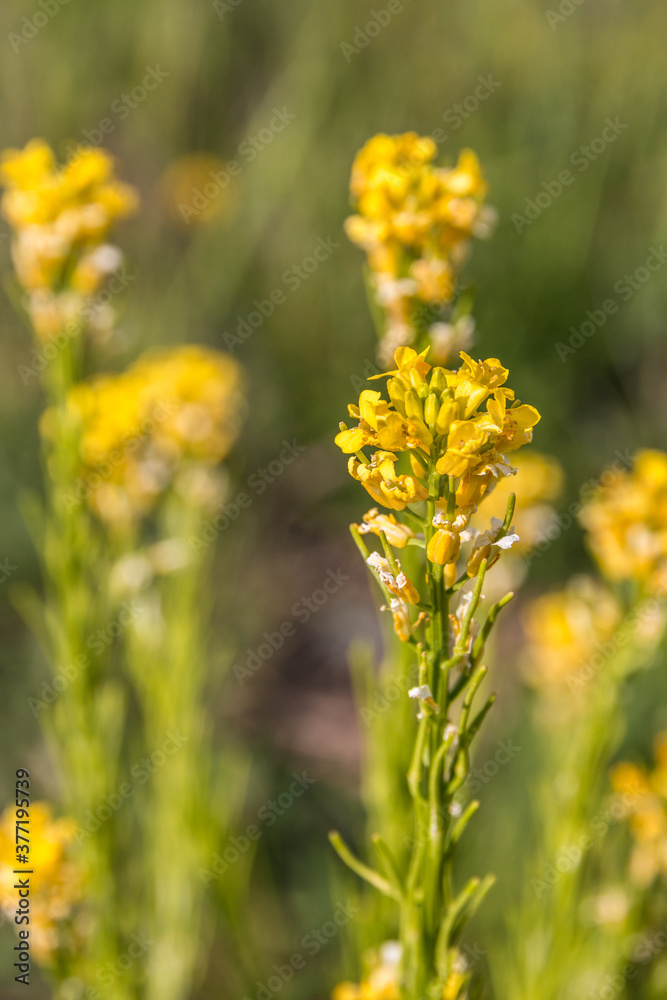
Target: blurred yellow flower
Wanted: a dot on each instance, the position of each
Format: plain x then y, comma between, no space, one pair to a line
61,217
564,632
56,885
167,421
195,188
415,222
642,797
627,523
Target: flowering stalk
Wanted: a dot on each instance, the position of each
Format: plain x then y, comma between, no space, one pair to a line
584,645
169,420
416,222
60,218
456,452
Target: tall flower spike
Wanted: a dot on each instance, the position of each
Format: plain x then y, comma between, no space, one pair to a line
61,218
415,221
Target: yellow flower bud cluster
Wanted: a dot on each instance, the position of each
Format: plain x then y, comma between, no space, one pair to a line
56,885
167,421
627,523
642,797
453,451
61,217
415,221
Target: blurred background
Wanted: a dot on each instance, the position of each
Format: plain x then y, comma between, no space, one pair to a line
238,121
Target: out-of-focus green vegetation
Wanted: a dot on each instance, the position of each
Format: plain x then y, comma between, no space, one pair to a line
552,83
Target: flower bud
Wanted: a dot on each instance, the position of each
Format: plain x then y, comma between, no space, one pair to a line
431,410
418,469
444,546
449,411
397,390
413,406
438,380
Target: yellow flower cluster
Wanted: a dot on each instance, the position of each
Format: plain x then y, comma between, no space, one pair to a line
415,222
565,631
455,452
61,217
168,420
627,523
642,798
55,883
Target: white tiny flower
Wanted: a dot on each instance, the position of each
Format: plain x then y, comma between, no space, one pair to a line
401,580
507,542
422,692
455,809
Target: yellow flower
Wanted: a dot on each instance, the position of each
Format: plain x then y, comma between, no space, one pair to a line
55,883
465,440
414,221
61,217
173,412
627,522
641,796
379,478
397,534
433,414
